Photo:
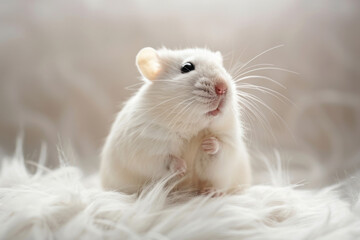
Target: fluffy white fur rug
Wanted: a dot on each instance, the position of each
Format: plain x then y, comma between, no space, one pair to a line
62,204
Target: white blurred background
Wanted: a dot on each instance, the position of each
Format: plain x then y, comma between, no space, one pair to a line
65,66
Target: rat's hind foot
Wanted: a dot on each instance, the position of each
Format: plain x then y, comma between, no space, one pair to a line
177,165
211,145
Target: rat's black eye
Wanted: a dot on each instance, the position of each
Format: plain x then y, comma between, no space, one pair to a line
187,67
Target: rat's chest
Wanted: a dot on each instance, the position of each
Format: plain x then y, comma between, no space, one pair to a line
191,149
191,152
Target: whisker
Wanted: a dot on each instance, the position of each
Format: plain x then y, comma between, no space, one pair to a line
157,105
248,125
231,60
240,71
154,120
260,54
273,93
177,106
268,68
259,77
253,108
147,124
183,124
255,98
235,68
179,114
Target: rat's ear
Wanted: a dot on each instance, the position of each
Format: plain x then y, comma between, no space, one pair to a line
148,63
219,55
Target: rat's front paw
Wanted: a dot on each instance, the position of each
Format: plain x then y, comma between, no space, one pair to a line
211,145
177,165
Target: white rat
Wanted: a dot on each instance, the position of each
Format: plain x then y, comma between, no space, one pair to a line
184,119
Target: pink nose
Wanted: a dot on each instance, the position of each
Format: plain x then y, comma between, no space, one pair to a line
220,88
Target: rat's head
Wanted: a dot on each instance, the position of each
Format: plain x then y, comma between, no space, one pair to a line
187,87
